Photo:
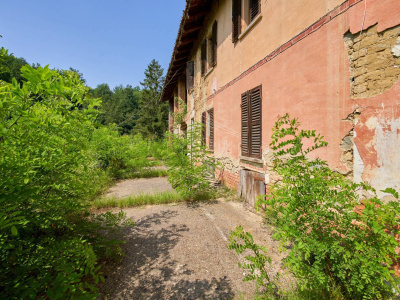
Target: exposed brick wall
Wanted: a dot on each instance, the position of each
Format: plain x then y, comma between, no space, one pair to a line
228,178
373,67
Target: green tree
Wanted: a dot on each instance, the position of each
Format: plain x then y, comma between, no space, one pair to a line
153,114
104,92
126,107
120,106
10,67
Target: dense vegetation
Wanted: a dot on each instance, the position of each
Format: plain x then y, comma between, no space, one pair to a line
191,168
55,157
342,242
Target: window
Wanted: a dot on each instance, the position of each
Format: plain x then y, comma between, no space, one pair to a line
254,9
244,12
214,45
209,50
189,75
203,129
211,122
210,129
236,19
204,58
252,122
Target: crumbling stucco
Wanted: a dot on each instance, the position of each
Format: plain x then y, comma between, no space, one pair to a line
228,164
347,145
374,61
387,147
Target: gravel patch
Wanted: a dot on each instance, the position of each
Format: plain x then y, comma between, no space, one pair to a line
133,187
180,252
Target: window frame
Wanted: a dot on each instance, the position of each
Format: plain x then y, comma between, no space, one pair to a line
208,50
243,17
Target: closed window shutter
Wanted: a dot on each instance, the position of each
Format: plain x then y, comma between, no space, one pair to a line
203,57
255,9
256,122
214,43
236,19
189,75
245,124
203,129
211,114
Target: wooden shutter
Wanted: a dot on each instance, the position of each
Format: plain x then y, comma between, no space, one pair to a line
203,129
214,43
245,125
256,122
211,114
236,19
189,75
255,9
203,57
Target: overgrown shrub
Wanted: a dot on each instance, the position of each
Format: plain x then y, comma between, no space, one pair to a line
49,242
119,155
191,168
257,263
335,244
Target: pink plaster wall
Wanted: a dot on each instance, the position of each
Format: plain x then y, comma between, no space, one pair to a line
311,81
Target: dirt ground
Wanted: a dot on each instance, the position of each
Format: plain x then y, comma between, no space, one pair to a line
180,252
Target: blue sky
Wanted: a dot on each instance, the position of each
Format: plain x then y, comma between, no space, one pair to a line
108,41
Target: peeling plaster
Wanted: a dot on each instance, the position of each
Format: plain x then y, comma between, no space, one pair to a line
387,148
359,167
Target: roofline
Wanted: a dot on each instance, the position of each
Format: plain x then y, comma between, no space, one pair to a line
189,28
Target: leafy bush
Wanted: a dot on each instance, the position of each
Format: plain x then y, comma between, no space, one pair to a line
190,166
257,263
338,239
119,155
49,243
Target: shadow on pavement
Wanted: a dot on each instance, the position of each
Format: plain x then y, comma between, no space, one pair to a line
148,272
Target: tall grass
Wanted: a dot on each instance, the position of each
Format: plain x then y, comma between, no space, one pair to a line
148,199
145,173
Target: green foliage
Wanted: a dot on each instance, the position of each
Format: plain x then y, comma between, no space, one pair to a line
153,114
257,262
190,166
180,115
10,66
120,106
315,210
50,243
120,156
333,293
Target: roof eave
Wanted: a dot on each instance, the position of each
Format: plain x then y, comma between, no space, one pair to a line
191,24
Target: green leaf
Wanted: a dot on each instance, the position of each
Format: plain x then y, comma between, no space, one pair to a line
26,180
391,191
14,230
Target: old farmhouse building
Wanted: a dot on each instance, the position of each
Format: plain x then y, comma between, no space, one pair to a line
333,64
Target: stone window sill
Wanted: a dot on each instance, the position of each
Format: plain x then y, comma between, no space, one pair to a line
250,26
251,159
208,72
